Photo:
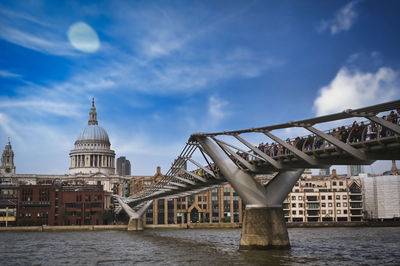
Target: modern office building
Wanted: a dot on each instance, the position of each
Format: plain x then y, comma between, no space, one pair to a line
324,171
354,170
123,166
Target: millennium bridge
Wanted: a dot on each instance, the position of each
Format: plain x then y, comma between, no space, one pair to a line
228,157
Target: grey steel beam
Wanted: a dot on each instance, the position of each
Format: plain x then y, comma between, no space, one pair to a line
185,180
194,175
202,167
143,208
341,145
280,186
264,156
387,124
237,157
310,160
170,187
131,213
239,149
247,187
177,184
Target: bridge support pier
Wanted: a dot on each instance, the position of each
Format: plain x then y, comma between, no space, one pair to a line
264,225
264,228
135,217
135,224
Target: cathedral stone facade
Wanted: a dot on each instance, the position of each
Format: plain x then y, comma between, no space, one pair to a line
92,153
7,160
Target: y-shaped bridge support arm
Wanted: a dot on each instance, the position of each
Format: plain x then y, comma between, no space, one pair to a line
135,217
264,225
252,193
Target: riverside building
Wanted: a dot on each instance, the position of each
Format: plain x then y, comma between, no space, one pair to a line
57,204
382,197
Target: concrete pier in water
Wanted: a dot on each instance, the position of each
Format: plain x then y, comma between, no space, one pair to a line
135,224
264,228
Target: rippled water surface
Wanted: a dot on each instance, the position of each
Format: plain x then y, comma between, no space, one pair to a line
314,246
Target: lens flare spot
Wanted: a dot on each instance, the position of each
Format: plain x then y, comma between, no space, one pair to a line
83,37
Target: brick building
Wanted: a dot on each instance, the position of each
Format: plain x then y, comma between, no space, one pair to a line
49,204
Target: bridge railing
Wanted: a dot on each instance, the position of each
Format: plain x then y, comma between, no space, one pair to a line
369,133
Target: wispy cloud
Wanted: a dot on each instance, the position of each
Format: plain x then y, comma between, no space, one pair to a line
342,21
39,42
354,89
8,74
40,106
5,125
217,108
33,33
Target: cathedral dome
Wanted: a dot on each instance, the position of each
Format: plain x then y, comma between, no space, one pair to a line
92,153
93,133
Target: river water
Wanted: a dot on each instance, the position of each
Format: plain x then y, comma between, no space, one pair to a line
310,246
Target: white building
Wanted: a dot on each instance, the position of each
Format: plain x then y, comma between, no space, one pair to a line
381,196
324,199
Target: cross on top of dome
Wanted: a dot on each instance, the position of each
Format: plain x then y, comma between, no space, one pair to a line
93,115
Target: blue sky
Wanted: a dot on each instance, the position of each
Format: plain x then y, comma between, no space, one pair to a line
161,70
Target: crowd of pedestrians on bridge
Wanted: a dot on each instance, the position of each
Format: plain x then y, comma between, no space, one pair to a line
354,133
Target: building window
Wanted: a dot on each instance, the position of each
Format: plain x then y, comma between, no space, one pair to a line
330,197
323,212
323,204
300,205
330,211
354,188
339,212
294,205
199,198
337,196
300,197
329,204
27,194
44,194
338,204
344,197
344,211
301,212
323,197
340,183
344,204
293,197
334,183
294,212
